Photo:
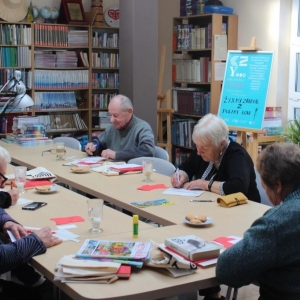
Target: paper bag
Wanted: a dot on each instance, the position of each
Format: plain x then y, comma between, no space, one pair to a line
232,200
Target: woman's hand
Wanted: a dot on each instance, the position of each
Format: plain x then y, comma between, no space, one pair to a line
198,184
178,179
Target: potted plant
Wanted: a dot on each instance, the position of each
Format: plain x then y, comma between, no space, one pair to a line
292,131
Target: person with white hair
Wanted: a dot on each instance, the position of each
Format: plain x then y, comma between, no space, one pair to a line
127,137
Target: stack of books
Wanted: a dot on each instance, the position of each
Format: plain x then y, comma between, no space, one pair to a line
124,252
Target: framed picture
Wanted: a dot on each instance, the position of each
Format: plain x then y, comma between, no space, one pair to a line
71,12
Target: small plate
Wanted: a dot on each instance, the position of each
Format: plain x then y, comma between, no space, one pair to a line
53,188
208,221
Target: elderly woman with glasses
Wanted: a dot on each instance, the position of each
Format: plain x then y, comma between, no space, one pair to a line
10,197
269,252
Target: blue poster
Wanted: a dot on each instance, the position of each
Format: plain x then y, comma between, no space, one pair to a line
245,88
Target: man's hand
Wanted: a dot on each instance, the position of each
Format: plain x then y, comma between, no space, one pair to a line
14,196
17,230
47,237
108,154
90,148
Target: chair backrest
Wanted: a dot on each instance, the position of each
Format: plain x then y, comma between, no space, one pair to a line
263,196
69,142
161,166
161,153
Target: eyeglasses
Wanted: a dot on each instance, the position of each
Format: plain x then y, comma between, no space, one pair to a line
4,179
52,151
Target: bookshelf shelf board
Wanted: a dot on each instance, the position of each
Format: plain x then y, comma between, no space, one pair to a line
184,147
23,45
61,89
106,89
99,109
98,128
3,68
195,83
187,115
104,68
64,130
192,50
105,48
59,109
59,68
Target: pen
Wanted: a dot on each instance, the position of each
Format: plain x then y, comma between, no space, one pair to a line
200,200
11,185
177,175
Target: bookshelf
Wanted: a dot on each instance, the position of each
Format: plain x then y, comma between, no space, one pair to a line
196,88
70,71
104,53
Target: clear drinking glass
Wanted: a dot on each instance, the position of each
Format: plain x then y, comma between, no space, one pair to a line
20,178
147,169
95,212
60,150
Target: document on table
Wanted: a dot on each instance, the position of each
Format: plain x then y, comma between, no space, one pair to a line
183,192
92,161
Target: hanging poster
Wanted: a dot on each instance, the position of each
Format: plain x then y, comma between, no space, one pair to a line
245,88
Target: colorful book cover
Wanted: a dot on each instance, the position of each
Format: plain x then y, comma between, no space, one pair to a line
114,249
145,204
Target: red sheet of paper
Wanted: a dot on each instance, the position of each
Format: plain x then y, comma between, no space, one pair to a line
67,220
150,187
30,184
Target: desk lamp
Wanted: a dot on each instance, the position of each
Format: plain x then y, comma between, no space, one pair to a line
15,88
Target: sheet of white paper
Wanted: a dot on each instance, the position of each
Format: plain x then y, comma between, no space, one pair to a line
124,166
23,201
183,192
66,235
220,52
219,71
67,226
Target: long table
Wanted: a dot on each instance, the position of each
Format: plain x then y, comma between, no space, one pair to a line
122,190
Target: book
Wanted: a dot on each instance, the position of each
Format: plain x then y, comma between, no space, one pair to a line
193,247
127,168
124,271
114,249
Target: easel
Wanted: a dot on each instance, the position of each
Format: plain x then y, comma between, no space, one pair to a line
163,110
242,132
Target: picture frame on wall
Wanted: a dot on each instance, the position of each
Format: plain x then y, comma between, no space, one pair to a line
72,12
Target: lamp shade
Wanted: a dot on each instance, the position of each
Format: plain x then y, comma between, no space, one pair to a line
22,100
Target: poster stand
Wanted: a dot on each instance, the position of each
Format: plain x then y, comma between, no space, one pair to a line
244,93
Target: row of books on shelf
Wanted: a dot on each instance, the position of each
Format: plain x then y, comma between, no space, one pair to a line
192,70
15,57
101,100
15,34
106,60
63,121
61,59
61,79
105,80
180,156
192,37
105,39
182,131
101,119
55,100
59,35
191,101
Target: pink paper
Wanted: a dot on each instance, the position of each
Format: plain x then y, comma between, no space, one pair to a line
67,220
151,187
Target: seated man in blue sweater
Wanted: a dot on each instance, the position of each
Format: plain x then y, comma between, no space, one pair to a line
127,137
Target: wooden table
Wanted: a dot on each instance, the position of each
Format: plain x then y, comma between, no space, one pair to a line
122,190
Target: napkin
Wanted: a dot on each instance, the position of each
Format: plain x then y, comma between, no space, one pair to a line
150,187
232,200
67,220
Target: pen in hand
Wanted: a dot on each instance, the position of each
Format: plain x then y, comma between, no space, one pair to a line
178,176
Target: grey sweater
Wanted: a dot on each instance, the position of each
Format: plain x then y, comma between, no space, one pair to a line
135,141
269,253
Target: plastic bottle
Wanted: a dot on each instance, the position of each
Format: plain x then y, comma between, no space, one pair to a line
135,222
